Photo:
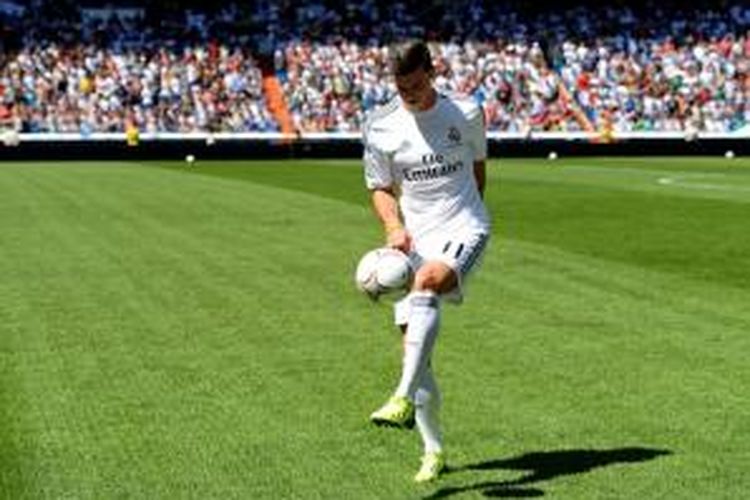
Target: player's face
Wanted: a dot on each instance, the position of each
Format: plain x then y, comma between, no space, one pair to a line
416,90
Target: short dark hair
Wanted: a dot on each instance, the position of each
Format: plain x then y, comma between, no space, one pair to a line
407,57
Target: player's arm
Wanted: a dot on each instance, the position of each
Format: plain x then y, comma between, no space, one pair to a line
480,175
380,182
478,139
385,205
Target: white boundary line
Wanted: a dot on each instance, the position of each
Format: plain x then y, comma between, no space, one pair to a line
682,181
667,178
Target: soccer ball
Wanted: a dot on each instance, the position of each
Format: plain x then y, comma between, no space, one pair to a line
383,270
10,138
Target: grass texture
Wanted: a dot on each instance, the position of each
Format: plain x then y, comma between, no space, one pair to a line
193,332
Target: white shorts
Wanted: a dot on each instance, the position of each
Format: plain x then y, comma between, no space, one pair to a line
461,253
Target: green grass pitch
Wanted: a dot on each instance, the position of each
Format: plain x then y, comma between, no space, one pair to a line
193,332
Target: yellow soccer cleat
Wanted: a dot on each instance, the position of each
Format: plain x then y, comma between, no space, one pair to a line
397,412
433,464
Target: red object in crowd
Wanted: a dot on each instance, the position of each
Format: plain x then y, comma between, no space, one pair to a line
213,50
583,81
703,96
725,46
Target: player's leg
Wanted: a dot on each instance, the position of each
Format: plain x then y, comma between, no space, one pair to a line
441,274
423,307
428,399
427,403
427,414
432,279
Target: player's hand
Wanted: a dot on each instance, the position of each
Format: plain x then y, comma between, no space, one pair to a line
399,237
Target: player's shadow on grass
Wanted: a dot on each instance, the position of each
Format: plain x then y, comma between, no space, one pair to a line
543,466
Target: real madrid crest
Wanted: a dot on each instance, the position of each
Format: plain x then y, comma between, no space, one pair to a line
454,136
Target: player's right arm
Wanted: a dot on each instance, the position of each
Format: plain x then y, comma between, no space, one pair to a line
386,208
380,181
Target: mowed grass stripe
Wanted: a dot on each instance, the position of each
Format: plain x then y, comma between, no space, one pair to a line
655,316
561,360
703,379
601,207
249,372
673,177
149,243
657,309
100,269
585,213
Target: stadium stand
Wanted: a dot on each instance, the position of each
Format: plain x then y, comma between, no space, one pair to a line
320,66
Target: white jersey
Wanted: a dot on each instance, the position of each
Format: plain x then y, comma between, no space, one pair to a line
429,156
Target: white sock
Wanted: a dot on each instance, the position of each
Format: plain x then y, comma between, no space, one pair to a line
427,413
421,333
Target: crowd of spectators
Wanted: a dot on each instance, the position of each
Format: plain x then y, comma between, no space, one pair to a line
331,87
85,89
105,73
690,73
199,70
593,68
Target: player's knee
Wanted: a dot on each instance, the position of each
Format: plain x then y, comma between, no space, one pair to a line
434,278
427,282
427,278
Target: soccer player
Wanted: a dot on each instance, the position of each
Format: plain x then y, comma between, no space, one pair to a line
425,168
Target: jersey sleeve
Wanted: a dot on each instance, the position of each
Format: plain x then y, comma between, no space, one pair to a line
477,133
378,172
